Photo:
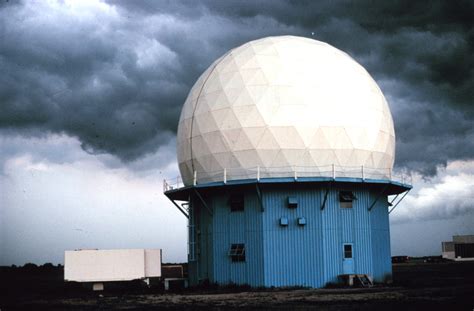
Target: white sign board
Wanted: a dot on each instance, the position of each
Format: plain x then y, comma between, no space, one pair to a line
111,265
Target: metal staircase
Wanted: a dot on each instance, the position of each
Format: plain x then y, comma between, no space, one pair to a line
364,280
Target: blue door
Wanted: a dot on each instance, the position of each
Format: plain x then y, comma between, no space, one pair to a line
348,261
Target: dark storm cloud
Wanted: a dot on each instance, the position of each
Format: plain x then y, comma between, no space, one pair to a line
421,53
113,77
115,74
114,89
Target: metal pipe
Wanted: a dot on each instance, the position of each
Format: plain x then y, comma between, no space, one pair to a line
325,197
259,196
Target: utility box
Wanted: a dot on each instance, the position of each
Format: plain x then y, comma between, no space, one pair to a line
112,265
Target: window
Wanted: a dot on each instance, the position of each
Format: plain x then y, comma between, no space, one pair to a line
236,202
347,251
346,198
237,252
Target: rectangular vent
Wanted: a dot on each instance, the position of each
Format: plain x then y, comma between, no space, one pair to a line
292,202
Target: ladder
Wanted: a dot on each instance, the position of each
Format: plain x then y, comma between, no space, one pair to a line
364,280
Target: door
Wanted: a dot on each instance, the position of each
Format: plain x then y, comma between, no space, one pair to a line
348,260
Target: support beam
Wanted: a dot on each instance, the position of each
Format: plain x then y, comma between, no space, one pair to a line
326,196
378,197
406,192
202,201
259,196
391,202
180,209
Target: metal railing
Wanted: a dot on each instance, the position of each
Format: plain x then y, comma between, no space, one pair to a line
172,183
331,171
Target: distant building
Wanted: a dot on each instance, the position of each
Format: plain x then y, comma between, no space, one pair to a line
461,248
286,147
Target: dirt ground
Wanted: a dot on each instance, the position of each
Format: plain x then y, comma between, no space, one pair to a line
417,286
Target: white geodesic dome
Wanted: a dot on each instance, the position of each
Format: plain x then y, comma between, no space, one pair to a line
285,106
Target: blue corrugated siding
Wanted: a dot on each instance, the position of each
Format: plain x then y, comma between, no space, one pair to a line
381,241
292,253
332,238
310,255
204,242
238,227
362,233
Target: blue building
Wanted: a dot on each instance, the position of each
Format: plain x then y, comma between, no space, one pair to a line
283,232
286,147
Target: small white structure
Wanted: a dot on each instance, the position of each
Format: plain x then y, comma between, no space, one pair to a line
97,266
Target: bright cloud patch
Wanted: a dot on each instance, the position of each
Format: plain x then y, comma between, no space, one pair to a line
49,205
448,196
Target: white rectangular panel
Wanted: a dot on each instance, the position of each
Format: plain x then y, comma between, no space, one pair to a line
152,263
104,265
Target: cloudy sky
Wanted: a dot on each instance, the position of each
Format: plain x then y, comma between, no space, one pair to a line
91,91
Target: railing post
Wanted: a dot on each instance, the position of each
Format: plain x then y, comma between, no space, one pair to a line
363,177
225,175
296,175
333,172
258,173
195,178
